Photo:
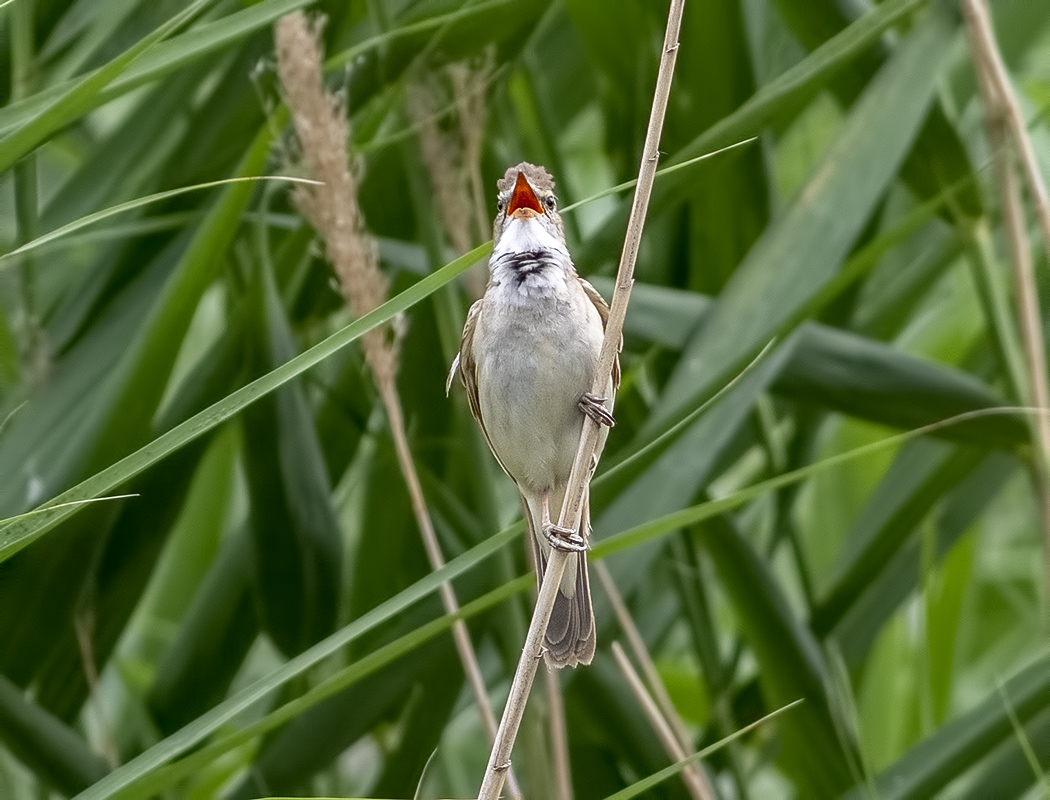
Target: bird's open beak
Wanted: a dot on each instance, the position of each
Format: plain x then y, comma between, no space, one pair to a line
523,202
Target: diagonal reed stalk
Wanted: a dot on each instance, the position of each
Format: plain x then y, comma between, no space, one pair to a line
1006,106
691,774
1009,141
333,210
653,698
583,467
559,739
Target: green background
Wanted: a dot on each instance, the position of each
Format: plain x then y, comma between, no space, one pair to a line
259,619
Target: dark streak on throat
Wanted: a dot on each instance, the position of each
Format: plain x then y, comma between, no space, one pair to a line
528,262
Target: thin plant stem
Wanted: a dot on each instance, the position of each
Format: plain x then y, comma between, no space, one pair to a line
691,775
647,783
583,467
83,629
983,40
332,208
642,655
1023,741
1003,117
993,294
460,634
559,739
641,652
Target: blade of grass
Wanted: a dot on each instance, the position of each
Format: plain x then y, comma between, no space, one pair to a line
17,534
294,524
43,743
81,96
938,156
669,170
163,58
211,721
956,747
1022,740
163,778
378,41
70,503
1004,772
841,370
791,662
920,476
789,90
689,516
961,506
138,202
644,785
799,255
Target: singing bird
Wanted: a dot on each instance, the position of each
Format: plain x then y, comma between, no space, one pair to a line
527,359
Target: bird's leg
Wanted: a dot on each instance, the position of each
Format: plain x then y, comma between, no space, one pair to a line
560,538
594,407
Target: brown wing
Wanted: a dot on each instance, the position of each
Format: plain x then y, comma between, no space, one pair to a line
603,312
468,367
468,373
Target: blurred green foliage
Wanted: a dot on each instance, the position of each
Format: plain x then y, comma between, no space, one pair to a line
258,619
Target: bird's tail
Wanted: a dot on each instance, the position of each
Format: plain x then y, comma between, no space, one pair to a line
570,636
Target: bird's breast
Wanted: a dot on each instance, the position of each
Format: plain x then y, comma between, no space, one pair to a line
535,359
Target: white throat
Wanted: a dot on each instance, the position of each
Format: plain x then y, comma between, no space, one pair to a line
529,262
524,235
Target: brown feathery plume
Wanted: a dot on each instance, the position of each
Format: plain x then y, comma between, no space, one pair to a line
468,88
332,208
443,160
453,161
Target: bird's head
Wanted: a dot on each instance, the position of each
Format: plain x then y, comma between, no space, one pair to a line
527,211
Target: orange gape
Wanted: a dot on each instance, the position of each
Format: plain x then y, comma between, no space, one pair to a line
523,197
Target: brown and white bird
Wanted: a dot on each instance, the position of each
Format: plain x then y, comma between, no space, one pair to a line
530,347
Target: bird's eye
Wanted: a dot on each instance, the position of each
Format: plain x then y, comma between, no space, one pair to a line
551,202
500,204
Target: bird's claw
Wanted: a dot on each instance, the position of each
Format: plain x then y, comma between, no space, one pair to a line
564,539
594,407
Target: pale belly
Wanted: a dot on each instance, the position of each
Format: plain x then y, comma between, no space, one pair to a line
530,380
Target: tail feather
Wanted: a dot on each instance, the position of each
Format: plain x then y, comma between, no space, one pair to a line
570,638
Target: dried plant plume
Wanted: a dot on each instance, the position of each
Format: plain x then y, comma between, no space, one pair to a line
332,207
452,156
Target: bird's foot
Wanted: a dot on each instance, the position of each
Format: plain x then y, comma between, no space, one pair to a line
594,407
564,539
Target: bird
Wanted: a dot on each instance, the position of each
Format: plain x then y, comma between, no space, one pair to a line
527,360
